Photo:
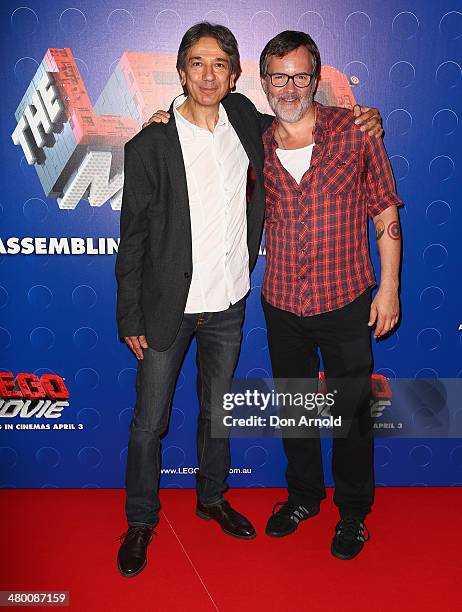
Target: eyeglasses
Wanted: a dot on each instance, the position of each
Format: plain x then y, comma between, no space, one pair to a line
279,79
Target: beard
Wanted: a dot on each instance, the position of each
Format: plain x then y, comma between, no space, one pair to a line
291,115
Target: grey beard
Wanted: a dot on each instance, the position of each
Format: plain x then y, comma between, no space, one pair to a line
287,115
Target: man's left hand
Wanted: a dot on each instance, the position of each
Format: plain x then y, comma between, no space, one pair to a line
369,120
384,311
160,116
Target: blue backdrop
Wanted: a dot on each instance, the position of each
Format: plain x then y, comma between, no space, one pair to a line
58,311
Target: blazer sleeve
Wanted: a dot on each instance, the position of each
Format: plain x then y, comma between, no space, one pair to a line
136,197
265,121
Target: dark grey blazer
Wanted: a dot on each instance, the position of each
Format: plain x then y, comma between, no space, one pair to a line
154,261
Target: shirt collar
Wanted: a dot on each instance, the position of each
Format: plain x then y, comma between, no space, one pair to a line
321,126
191,127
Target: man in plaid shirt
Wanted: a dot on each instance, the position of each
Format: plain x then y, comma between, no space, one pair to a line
324,176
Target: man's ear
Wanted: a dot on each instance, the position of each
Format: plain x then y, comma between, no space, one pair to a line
263,84
315,88
182,74
232,81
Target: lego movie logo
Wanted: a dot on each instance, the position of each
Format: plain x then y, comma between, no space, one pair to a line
28,396
77,147
381,395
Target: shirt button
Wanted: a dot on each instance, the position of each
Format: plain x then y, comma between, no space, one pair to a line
302,277
302,222
186,274
302,250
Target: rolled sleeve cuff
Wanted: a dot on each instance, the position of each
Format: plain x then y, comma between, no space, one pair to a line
376,208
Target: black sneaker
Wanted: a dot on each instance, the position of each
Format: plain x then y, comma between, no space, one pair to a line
286,520
350,535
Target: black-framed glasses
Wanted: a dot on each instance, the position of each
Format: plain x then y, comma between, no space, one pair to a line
279,79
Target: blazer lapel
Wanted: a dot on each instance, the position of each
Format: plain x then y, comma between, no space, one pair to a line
240,128
176,169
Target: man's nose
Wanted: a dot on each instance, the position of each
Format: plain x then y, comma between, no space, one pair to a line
290,86
208,74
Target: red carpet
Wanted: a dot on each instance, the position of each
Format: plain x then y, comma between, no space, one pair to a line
65,540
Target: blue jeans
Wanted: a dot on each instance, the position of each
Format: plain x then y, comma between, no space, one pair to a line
218,338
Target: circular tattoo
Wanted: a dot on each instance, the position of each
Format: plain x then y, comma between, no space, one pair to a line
393,230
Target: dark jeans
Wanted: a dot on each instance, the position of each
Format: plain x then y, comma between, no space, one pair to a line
218,337
344,340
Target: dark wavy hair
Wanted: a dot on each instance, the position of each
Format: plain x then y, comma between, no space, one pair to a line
288,41
224,37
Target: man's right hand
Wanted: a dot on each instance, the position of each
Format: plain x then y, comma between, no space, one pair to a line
159,116
136,343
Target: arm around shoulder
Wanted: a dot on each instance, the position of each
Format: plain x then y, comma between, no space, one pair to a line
264,120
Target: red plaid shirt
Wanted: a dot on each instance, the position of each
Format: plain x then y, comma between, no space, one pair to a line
316,233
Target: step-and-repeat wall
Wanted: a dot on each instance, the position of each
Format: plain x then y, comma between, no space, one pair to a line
78,82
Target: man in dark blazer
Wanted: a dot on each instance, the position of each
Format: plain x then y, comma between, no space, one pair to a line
186,199
191,221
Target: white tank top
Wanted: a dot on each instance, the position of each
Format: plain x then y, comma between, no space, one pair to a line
296,161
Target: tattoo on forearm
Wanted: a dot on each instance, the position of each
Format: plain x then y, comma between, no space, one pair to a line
393,230
379,229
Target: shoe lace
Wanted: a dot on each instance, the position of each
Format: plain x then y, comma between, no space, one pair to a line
287,509
132,532
283,508
350,528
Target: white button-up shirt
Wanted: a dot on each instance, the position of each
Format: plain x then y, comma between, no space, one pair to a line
216,174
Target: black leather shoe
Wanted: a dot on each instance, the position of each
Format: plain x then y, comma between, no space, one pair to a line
350,535
230,521
131,559
285,521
